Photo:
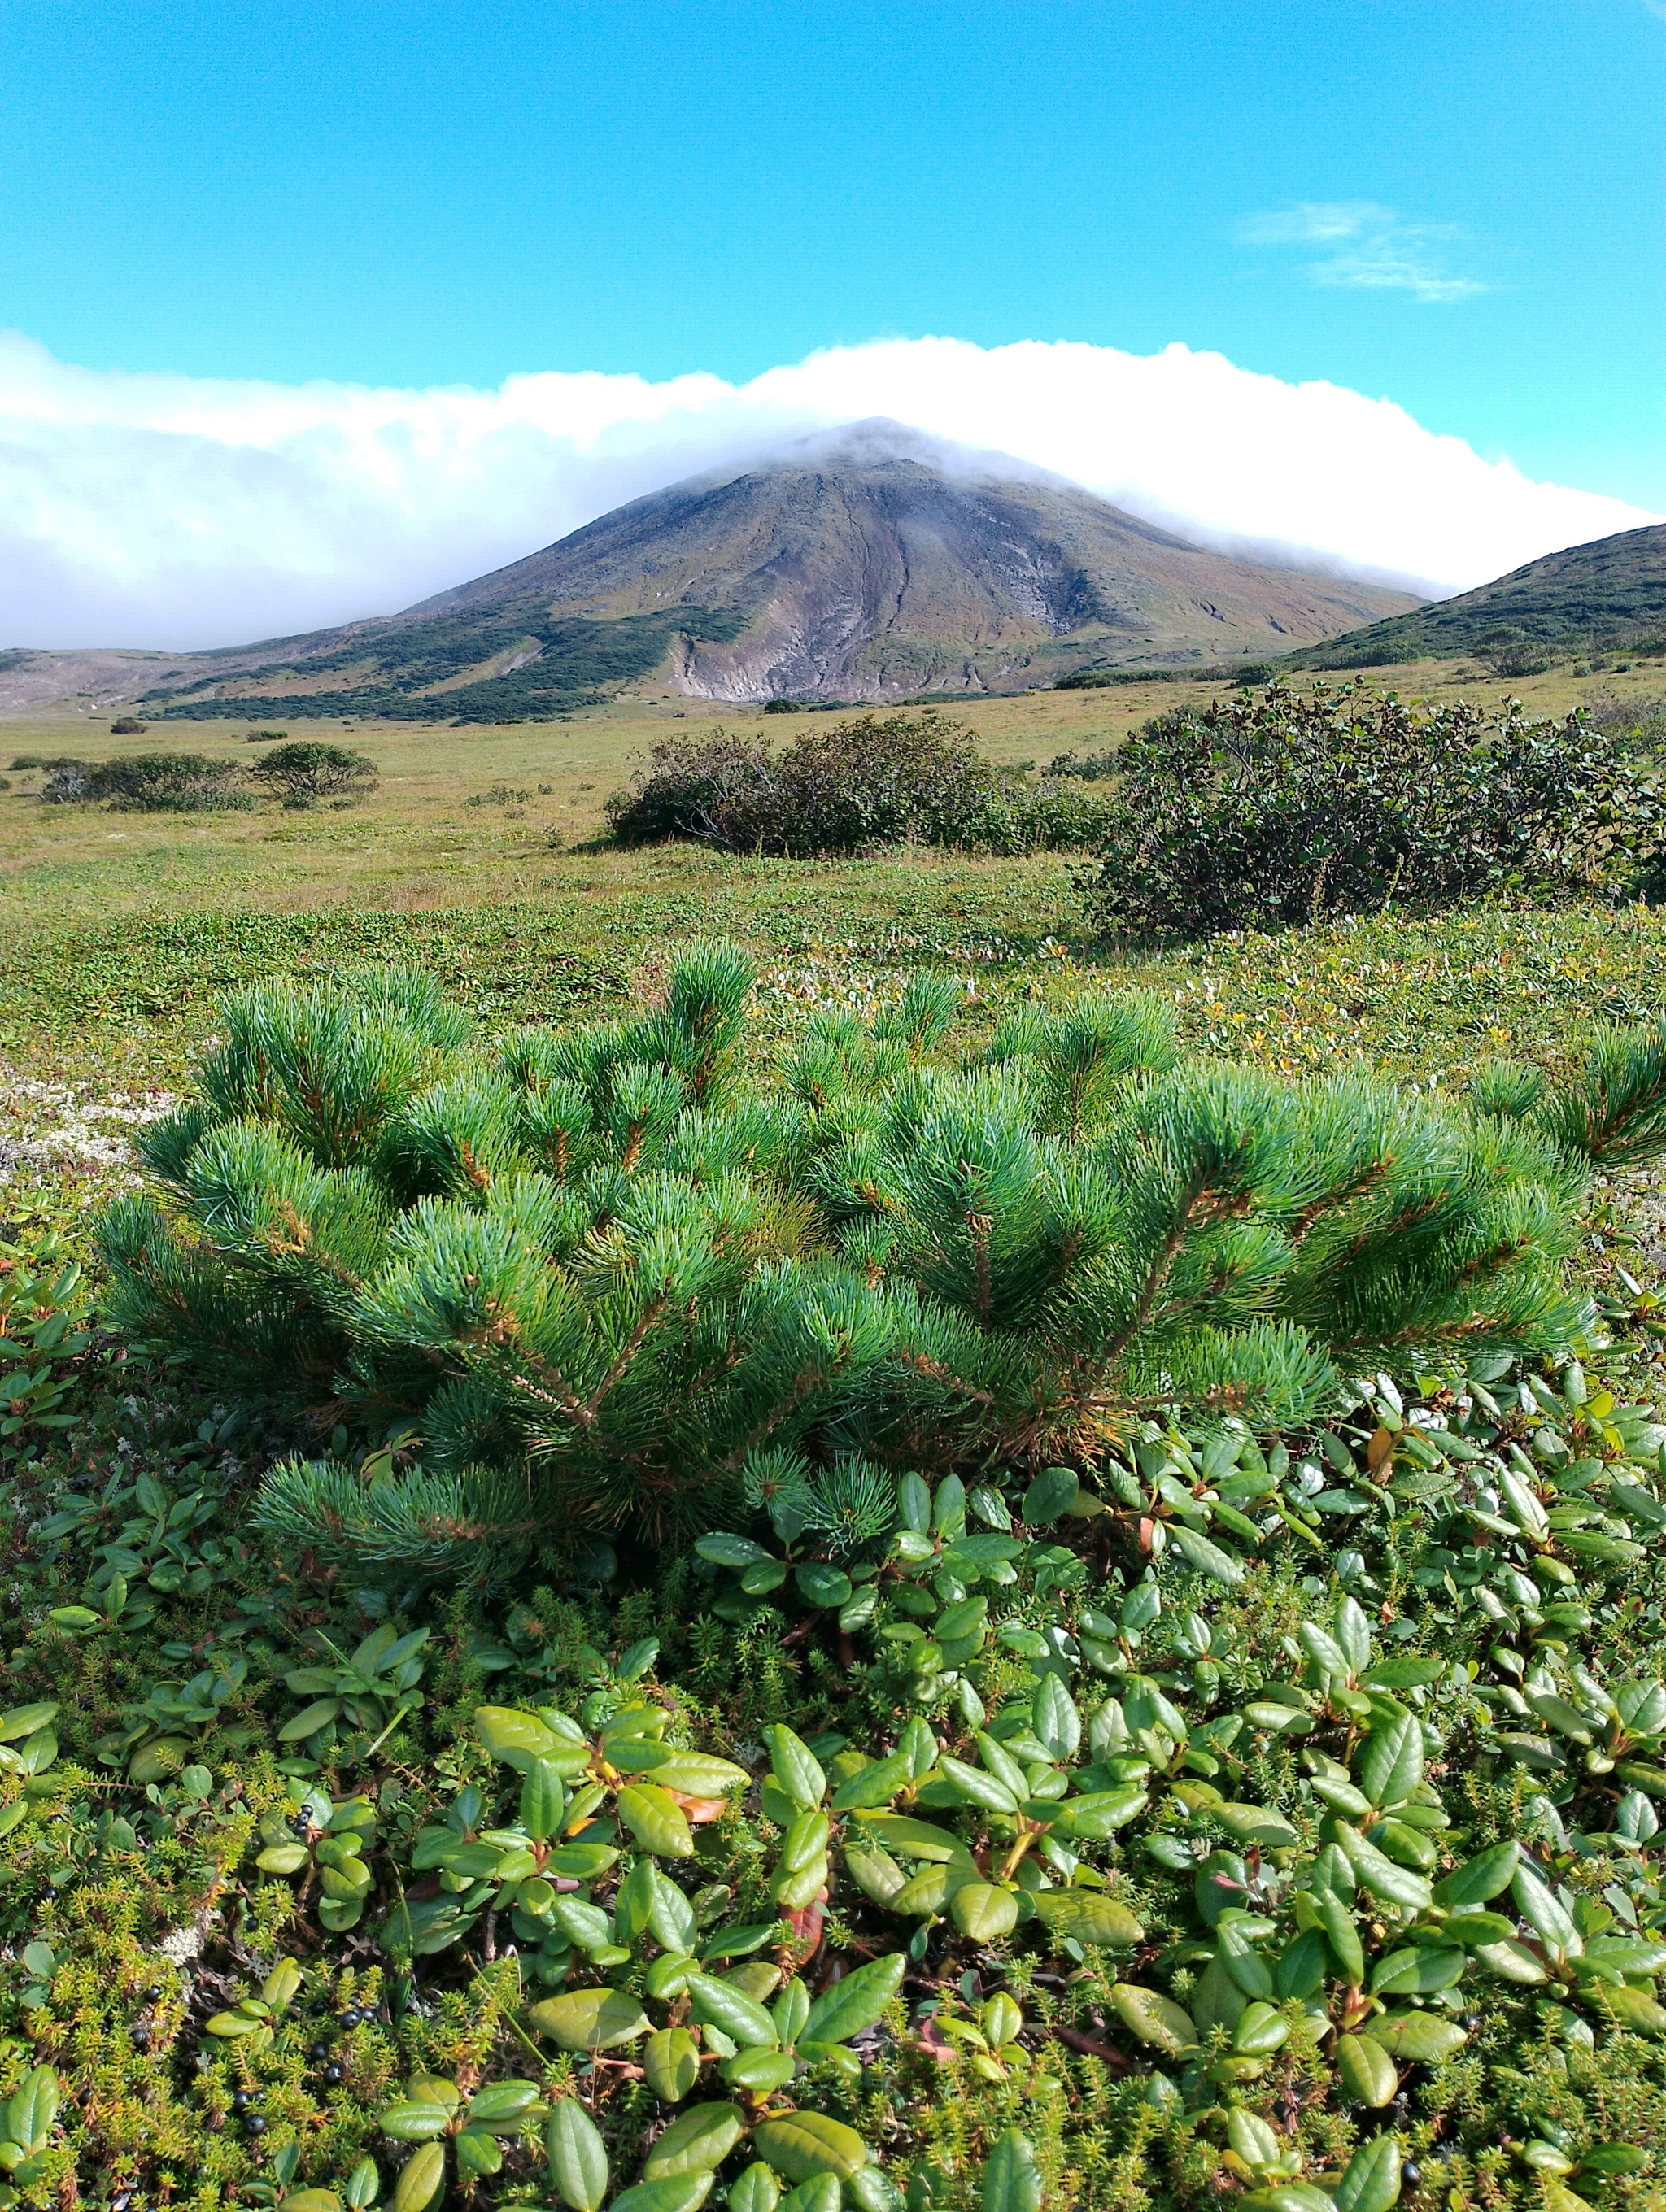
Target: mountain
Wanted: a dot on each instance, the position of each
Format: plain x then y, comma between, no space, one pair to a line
870,564
1609,593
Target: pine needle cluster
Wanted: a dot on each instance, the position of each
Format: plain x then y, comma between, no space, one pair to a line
606,1279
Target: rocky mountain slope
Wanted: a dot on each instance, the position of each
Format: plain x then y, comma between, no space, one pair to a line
870,564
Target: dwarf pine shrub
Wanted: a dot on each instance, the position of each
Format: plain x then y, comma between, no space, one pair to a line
613,1280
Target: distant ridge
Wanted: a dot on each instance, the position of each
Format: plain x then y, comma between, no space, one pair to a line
1610,592
871,564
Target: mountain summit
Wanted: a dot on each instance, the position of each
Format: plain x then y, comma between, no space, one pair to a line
870,564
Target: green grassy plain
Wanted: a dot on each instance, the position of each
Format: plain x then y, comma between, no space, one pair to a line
118,930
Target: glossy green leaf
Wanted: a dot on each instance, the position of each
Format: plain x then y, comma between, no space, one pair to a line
1012,2179
589,2019
671,2062
656,1819
697,2142
799,2144
1053,1716
1052,1493
1370,2181
756,2190
577,2154
856,2001
1090,1916
1369,2075
984,1912
1421,2038
673,2192
1483,1877
422,2179
719,2004
794,1766
1154,2019
1391,1761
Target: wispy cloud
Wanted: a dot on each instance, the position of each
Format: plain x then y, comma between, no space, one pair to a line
1363,247
173,510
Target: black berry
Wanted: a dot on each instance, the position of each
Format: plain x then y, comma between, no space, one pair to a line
255,2124
318,2050
332,2075
1411,2173
240,2097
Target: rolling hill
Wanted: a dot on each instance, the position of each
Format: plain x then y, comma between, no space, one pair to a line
1607,593
866,565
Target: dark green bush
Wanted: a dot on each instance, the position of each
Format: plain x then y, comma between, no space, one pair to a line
870,781
170,782
614,1285
306,770
158,783
1279,809
1087,767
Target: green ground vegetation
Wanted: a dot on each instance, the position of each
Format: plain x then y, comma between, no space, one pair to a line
1211,1799
1173,1806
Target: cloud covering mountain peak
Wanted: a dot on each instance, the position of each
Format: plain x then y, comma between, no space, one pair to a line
154,509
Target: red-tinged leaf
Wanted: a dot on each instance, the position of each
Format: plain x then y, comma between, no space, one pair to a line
807,1925
697,1810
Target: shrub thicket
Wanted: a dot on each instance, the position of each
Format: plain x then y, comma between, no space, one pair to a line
876,779
151,783
1278,808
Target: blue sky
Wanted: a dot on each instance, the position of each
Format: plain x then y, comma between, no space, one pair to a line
1458,206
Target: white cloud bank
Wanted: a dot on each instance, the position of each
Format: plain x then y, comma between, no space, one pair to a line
175,512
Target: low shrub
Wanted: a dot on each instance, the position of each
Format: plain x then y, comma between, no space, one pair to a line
1641,723
265,737
161,783
616,1286
1506,651
306,770
1279,809
870,781
125,727
1087,767
1227,1816
65,776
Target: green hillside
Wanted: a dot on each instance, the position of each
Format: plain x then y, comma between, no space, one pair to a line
1609,594
520,663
